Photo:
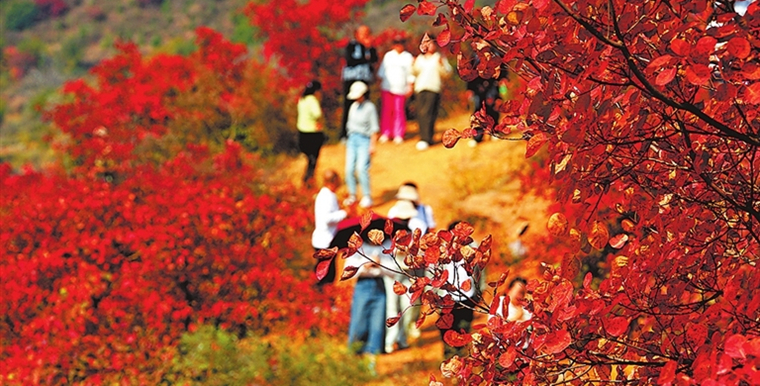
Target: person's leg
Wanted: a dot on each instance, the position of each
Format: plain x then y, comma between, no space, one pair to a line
424,101
346,105
399,116
391,311
313,146
436,105
362,164
386,114
360,309
351,155
376,319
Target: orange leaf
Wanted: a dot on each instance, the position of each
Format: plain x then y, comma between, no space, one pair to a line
426,8
619,241
407,12
557,224
450,138
365,220
376,236
398,288
355,242
599,235
467,285
534,143
508,357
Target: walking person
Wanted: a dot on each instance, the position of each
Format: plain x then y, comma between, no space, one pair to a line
327,215
360,57
310,135
362,127
396,80
429,68
367,325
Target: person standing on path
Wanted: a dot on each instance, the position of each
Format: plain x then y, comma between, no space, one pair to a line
327,215
310,135
362,127
360,56
429,68
396,82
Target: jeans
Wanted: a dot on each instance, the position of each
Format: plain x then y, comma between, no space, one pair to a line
368,315
357,162
393,115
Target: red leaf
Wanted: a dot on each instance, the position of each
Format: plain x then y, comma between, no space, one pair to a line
738,47
469,5
556,342
752,94
705,46
322,268
467,285
426,8
668,373
365,220
734,346
665,76
389,227
587,280
680,47
445,321
444,38
439,281
407,12
440,20
390,322
616,326
659,62
349,272
507,358
455,339
698,74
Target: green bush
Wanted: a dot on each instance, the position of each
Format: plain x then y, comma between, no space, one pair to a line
20,15
211,356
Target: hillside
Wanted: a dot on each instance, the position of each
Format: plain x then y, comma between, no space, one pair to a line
463,183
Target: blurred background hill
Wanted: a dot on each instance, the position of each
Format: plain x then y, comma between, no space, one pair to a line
45,43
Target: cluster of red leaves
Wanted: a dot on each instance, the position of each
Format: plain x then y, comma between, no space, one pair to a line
101,276
649,114
308,38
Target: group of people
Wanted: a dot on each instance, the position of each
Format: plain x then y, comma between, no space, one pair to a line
401,75
374,299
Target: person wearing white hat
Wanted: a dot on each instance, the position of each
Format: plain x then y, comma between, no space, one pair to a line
423,219
362,127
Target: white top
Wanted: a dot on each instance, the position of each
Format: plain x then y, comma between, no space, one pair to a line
513,310
362,119
367,269
428,71
395,72
327,215
457,276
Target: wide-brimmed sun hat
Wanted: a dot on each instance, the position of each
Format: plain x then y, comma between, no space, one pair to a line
357,90
406,192
402,209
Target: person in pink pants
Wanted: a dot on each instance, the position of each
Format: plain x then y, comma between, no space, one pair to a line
396,81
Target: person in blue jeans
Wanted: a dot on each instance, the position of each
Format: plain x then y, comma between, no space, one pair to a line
367,326
362,127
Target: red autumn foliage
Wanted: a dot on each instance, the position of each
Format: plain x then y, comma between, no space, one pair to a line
648,114
105,265
53,8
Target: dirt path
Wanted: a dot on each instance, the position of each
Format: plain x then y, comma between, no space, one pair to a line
475,184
